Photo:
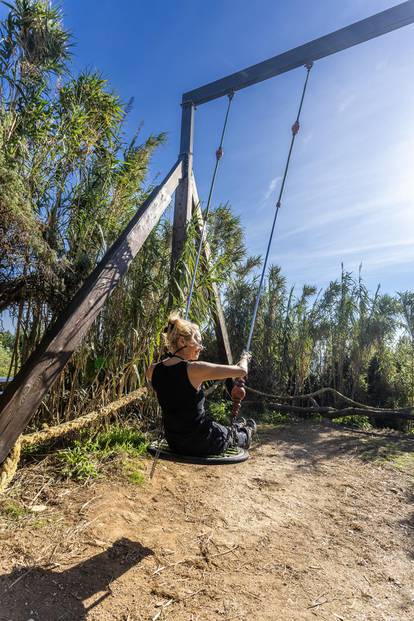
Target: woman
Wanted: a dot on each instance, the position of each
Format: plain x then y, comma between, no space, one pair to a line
177,381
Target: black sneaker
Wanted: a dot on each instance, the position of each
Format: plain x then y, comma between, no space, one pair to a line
252,425
249,432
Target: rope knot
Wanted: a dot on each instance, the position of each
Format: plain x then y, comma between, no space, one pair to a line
295,127
219,153
238,393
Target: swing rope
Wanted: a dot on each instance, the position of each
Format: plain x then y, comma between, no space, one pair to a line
238,392
295,130
219,155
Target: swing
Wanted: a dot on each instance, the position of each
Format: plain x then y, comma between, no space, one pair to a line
160,448
232,455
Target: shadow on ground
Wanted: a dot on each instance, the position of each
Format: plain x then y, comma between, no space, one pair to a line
310,443
42,594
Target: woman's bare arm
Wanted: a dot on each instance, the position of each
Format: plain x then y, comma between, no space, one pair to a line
199,372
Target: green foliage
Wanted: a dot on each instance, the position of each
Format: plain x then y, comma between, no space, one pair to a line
13,510
273,417
84,459
33,41
36,451
136,477
220,411
120,438
5,354
397,454
403,462
354,422
76,463
7,340
133,473
69,183
343,337
5,359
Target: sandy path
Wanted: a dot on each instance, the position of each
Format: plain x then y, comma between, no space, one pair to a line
306,529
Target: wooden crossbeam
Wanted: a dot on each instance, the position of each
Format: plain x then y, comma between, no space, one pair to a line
223,341
23,396
354,34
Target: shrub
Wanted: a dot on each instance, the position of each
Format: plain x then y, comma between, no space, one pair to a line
13,510
76,463
220,411
355,422
118,438
133,473
82,460
273,417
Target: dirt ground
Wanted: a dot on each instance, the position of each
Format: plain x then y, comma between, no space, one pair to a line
316,525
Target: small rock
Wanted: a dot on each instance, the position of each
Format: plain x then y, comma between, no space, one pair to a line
38,509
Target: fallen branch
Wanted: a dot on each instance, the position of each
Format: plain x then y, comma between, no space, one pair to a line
225,552
330,412
317,393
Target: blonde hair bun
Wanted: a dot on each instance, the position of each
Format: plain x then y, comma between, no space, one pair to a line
176,327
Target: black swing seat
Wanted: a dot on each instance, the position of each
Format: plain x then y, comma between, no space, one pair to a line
232,455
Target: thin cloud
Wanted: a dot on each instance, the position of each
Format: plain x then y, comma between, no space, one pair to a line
322,219
397,246
307,138
271,188
313,264
382,65
346,102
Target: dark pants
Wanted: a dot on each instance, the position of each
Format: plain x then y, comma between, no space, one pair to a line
216,439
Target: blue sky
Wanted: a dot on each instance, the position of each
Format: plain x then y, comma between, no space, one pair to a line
350,190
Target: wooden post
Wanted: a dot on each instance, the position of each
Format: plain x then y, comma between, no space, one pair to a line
23,396
183,202
223,341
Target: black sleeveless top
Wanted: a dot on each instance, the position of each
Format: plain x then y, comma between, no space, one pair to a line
181,404
188,429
